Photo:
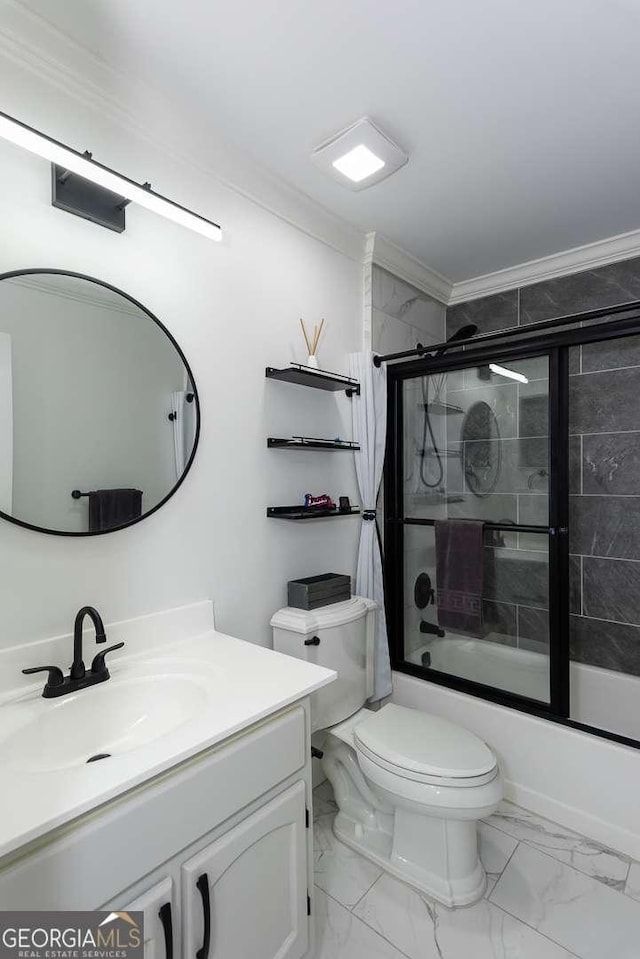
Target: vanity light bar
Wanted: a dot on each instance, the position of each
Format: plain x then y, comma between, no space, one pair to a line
85,166
510,374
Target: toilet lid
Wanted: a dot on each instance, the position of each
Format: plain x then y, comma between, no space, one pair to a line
427,745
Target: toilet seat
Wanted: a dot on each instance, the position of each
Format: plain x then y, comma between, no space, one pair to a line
426,749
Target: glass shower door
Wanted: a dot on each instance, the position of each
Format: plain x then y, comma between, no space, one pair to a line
475,447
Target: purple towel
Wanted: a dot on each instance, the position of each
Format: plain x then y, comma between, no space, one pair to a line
459,575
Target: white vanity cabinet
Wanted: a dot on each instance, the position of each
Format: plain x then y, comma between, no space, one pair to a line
245,895
158,904
219,849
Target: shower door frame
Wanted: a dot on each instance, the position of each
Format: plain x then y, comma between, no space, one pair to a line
555,346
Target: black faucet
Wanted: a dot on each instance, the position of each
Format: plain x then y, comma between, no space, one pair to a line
77,667
58,684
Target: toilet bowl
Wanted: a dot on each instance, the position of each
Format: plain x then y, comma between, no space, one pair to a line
410,787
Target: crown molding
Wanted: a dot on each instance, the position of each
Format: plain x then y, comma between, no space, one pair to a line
53,58
406,267
624,246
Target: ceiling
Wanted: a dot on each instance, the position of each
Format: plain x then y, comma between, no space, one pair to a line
520,120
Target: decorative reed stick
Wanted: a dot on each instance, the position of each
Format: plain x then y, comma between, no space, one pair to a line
306,338
317,331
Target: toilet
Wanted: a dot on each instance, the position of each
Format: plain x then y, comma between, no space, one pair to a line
410,787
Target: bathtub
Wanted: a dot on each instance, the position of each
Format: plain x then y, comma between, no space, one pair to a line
603,698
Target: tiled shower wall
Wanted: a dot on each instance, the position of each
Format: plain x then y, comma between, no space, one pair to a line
604,456
403,315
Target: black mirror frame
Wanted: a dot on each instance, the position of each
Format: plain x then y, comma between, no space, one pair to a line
194,390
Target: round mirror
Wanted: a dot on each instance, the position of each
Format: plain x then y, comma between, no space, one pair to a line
99,414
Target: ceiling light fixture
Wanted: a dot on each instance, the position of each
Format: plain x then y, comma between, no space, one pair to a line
103,198
510,374
359,163
359,156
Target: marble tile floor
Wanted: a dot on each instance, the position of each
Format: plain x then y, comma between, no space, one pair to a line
551,894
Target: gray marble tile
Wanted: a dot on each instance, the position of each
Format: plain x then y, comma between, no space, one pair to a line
423,929
533,628
534,508
611,463
534,414
534,454
502,401
400,300
611,354
591,858
497,508
611,589
499,621
517,576
575,464
490,313
602,402
341,935
592,289
338,870
575,584
609,645
606,526
574,910
575,360
391,335
632,887
504,466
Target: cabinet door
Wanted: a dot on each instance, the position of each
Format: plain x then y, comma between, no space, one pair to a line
245,895
159,919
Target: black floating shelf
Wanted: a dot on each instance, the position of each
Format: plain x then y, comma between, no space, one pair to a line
309,443
308,512
317,379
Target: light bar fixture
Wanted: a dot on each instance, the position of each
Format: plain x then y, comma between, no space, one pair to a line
108,211
510,374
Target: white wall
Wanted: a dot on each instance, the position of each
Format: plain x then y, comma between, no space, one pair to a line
234,309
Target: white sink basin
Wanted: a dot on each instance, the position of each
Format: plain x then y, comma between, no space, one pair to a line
138,705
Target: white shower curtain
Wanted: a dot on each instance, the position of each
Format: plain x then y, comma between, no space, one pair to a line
369,414
184,429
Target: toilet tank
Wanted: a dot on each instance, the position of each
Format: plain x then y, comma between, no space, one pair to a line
340,637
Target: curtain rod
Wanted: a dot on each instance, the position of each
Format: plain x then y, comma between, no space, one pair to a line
421,350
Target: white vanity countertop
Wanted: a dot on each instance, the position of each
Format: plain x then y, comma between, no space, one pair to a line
241,684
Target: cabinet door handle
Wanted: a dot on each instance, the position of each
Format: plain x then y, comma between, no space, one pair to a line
203,888
167,927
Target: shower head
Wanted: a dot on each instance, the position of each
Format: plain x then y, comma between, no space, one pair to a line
464,333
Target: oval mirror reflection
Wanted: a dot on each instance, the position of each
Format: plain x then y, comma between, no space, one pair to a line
99,414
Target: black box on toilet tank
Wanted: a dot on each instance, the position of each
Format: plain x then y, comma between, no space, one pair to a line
315,591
